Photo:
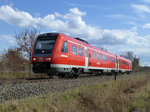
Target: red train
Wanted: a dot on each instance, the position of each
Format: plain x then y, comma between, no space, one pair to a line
57,53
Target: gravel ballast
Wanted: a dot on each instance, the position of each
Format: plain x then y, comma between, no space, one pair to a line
29,89
18,91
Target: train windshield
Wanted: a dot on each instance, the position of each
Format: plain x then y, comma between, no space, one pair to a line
44,46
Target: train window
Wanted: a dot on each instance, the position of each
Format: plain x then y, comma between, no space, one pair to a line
111,59
65,47
119,61
104,57
97,56
124,63
101,56
114,60
94,55
80,51
74,50
89,55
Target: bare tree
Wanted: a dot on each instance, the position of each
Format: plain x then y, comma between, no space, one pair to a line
136,64
1,66
128,55
25,41
13,60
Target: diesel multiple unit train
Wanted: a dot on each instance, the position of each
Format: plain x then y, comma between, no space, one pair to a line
56,53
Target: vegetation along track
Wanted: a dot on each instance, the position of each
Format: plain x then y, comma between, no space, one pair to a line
21,88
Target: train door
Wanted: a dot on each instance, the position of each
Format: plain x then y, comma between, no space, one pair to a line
117,64
86,58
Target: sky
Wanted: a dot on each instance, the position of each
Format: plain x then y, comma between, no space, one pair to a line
117,26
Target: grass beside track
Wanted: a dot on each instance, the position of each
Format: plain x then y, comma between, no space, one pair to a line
21,74
124,95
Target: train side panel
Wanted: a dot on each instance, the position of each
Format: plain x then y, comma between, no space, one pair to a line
69,53
77,54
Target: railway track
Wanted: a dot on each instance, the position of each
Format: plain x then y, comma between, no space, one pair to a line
21,88
35,80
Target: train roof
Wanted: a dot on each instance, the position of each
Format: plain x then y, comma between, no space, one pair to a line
48,34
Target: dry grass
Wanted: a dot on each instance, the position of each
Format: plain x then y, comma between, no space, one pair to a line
112,97
124,95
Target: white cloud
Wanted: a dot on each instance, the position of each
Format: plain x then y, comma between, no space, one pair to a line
146,26
72,24
116,16
122,37
7,39
86,6
131,23
37,14
16,17
147,1
141,8
6,42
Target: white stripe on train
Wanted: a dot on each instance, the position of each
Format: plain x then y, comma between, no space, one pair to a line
76,66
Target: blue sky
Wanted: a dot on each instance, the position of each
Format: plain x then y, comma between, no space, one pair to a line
116,25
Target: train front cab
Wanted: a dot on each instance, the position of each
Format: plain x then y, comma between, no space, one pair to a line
42,52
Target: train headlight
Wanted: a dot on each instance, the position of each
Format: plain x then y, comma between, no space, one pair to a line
47,59
34,59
